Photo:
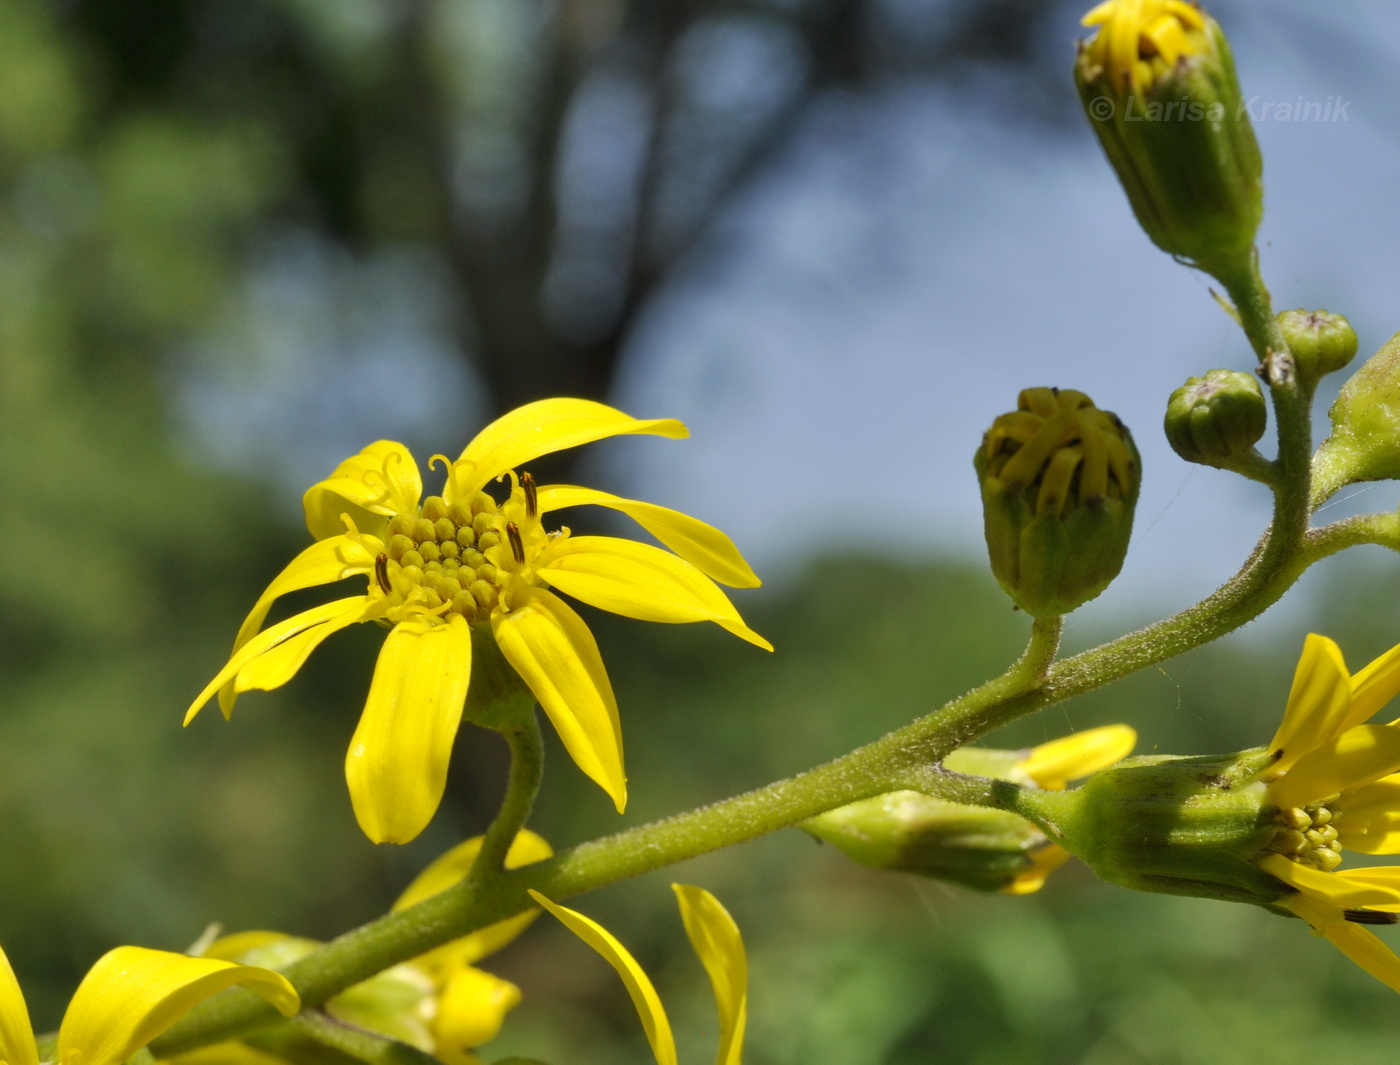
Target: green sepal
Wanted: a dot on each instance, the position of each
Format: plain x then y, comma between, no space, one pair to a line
497,698
1216,419
1173,825
1184,152
1365,440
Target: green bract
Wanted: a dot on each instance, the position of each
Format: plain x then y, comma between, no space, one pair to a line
1365,440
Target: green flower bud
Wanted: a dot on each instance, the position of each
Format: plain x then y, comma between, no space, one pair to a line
1365,440
1319,341
1059,481
1179,826
907,832
1158,84
1217,418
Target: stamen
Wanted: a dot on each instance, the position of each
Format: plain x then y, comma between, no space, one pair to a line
381,572
517,546
532,501
1371,917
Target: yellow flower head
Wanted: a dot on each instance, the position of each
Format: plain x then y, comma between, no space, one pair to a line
1140,40
1333,785
126,1000
436,567
716,940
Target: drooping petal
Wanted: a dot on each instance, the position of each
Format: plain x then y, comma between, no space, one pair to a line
471,1008
1375,685
547,426
1370,817
640,581
16,1034
381,480
1359,944
274,667
1053,765
720,947
1337,890
448,870
1382,878
133,995
271,638
551,648
1317,703
1357,757
644,996
397,763
703,546
323,562
1044,861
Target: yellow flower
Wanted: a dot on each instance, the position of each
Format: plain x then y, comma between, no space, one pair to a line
1333,785
438,1002
126,1000
1141,40
439,566
716,940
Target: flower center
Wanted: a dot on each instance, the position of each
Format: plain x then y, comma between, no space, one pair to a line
461,558
1308,835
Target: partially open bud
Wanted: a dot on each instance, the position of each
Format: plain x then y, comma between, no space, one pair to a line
1158,84
1216,419
1319,341
1365,440
1180,826
1060,480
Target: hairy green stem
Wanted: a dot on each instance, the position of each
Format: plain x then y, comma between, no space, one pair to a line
526,773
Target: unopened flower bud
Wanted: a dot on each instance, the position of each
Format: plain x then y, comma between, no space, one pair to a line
1217,418
1158,84
1180,826
1365,440
1319,341
1060,480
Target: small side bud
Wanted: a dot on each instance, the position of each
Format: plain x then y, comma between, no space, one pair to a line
1365,440
906,832
1319,341
1158,84
1060,479
1216,419
1179,826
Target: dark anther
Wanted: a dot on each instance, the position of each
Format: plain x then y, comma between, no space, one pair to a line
1371,917
532,501
517,548
381,572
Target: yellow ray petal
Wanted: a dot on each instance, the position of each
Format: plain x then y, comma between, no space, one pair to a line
1044,861
321,563
449,869
1317,703
640,581
717,941
133,994
1052,765
547,426
269,639
274,667
644,997
1366,949
16,1034
1375,685
557,657
1370,817
381,480
703,546
470,1011
397,763
1337,890
1358,756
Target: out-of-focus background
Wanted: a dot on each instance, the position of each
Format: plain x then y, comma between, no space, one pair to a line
239,239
